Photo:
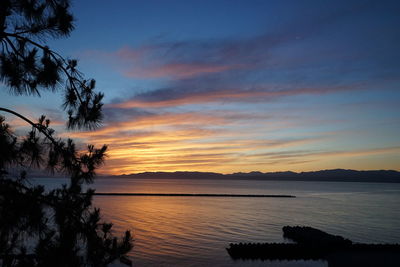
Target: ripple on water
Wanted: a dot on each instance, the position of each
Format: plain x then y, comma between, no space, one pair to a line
184,231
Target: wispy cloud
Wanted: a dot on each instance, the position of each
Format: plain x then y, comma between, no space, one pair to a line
165,127
189,58
178,95
281,62
185,140
315,154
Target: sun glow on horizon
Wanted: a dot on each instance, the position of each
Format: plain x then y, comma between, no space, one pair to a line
256,87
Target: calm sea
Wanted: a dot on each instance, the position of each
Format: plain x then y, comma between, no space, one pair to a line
194,231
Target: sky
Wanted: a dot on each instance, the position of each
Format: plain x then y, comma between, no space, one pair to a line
235,86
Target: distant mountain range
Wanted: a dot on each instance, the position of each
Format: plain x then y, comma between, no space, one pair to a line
337,175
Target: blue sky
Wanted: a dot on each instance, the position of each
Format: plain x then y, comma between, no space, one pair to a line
231,86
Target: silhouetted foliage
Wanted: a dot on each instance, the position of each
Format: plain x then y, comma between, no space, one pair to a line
59,227
28,66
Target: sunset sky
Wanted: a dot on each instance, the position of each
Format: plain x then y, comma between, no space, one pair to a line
236,86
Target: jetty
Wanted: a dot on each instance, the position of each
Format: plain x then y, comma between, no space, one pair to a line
314,244
191,195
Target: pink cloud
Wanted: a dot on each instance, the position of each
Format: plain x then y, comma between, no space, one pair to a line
144,62
177,70
161,98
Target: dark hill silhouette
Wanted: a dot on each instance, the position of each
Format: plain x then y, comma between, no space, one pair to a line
336,175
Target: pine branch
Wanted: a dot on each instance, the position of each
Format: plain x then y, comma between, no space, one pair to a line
56,56
35,125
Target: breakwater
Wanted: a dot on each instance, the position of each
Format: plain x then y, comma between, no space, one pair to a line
314,244
192,195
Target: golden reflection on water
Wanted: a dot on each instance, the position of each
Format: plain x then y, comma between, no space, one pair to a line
188,229
194,231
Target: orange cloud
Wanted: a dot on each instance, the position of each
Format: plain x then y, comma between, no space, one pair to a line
220,141
154,122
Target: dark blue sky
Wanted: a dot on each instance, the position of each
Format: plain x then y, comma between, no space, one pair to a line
239,85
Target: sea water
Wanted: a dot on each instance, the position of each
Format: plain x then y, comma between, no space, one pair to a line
195,231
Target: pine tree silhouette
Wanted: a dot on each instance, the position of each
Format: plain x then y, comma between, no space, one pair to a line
60,227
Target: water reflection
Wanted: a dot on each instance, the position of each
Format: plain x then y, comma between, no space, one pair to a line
190,231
